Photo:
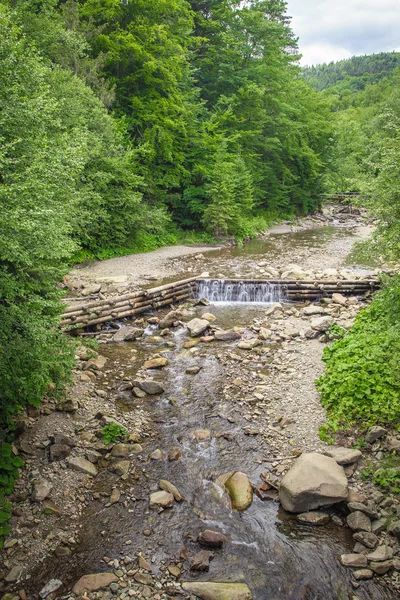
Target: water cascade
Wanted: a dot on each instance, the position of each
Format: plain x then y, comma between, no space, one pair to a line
220,290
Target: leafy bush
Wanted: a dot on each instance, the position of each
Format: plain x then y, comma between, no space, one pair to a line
9,471
112,432
362,377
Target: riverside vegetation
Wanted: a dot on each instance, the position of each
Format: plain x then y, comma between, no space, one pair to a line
124,128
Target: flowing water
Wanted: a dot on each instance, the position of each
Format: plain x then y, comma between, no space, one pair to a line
241,291
278,558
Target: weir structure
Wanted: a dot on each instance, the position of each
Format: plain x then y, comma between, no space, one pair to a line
95,312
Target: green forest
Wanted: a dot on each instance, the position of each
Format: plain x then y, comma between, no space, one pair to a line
130,125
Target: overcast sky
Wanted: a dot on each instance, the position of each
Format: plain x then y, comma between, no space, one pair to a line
335,29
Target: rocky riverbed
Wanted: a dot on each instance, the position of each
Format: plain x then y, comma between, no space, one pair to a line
215,404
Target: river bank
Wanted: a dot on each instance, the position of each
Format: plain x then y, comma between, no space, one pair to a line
246,404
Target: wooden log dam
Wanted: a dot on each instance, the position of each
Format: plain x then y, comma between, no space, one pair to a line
95,312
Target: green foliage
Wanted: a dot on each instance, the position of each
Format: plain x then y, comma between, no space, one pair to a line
386,476
9,472
362,377
336,331
112,432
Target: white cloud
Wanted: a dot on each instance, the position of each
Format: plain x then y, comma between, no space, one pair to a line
315,54
331,30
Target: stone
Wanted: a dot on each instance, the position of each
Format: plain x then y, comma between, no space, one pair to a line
380,568
314,480
375,433
93,583
96,364
50,507
314,309
322,323
227,336
197,326
249,344
175,453
314,518
52,586
157,455
240,491
172,317
152,388
393,444
339,299
209,317
358,521
395,529
156,363
138,393
143,578
144,564
77,463
115,496
41,489
371,513
121,450
210,590
343,456
127,334
201,435
163,499
378,525
174,570
201,562
193,370
264,334
121,467
15,574
381,554
363,574
64,440
165,485
69,405
211,539
370,540
59,452
356,561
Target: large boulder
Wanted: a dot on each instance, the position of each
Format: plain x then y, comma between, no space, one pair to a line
322,323
209,590
197,326
314,480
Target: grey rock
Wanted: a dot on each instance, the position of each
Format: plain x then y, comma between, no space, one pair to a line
363,574
15,574
163,499
356,561
201,562
371,513
378,525
375,433
395,529
314,480
41,489
380,568
315,517
370,540
59,452
52,586
151,387
393,444
82,465
128,333
321,323
211,539
381,554
343,456
227,336
197,326
210,590
358,521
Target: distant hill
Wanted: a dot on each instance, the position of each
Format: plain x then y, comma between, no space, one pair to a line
353,73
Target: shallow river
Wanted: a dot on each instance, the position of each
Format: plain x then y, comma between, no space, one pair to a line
276,556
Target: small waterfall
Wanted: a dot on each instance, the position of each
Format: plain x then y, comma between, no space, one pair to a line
220,290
